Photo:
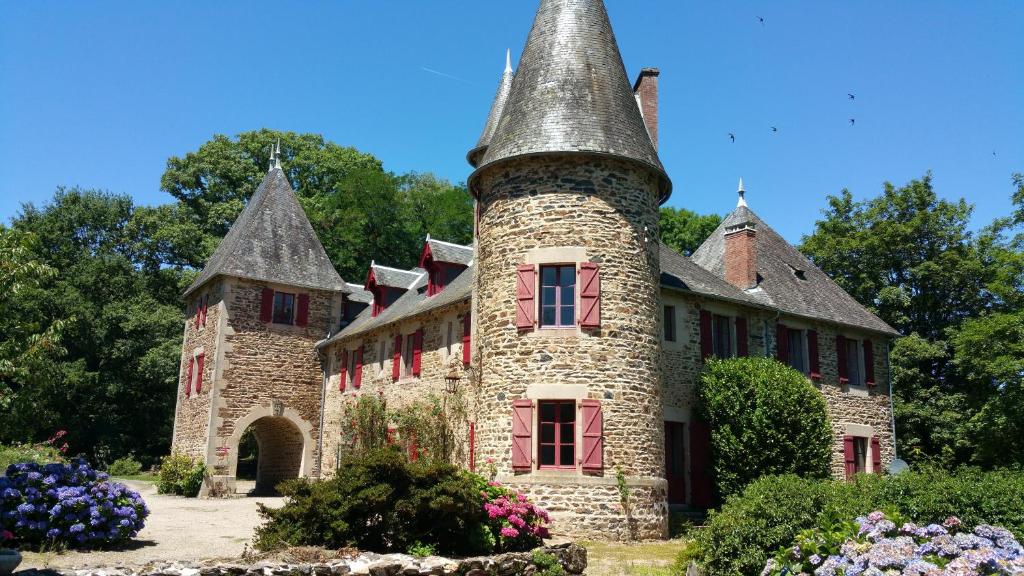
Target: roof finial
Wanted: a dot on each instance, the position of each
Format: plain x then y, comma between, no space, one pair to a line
508,60
277,154
742,202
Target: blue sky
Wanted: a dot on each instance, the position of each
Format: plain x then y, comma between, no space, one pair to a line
100,93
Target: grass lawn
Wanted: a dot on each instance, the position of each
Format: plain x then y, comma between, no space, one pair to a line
138,477
632,558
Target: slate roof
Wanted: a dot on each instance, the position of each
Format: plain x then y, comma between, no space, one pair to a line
448,252
412,303
570,93
272,240
358,293
395,278
681,273
788,281
504,87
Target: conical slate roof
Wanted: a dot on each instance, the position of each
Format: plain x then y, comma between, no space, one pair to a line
492,119
570,93
272,240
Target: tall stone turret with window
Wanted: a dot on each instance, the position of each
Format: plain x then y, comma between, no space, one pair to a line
568,184
266,296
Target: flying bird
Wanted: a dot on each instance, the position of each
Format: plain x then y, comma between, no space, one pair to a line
761,20
851,96
852,121
774,129
732,137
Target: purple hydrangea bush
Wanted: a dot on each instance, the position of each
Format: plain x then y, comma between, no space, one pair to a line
880,544
67,505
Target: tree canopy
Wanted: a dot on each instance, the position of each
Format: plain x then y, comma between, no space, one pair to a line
684,230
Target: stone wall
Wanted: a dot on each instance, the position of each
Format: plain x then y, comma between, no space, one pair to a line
436,361
575,209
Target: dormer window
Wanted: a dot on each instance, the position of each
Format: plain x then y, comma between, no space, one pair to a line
443,262
797,272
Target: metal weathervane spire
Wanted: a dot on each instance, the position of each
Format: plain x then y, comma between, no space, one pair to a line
508,60
742,202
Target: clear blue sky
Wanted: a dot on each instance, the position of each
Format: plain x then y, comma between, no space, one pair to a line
100,93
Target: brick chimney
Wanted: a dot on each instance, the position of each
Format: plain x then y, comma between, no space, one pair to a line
741,250
646,91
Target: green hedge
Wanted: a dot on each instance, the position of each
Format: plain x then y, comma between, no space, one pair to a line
180,474
125,466
751,526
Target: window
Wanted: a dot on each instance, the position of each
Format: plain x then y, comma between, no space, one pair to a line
853,363
558,296
557,440
860,454
670,323
722,334
284,308
351,367
407,352
797,351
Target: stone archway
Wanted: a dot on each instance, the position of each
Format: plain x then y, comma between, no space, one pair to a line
285,446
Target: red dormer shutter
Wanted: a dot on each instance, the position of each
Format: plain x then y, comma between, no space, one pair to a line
844,373
869,363
593,435
267,305
782,343
590,295
396,361
742,344
876,455
188,377
705,334
522,435
302,314
344,371
417,351
526,287
467,324
357,378
849,457
812,351
200,362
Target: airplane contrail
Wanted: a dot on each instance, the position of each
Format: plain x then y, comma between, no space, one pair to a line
432,71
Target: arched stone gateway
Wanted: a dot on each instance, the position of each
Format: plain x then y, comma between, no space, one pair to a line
285,446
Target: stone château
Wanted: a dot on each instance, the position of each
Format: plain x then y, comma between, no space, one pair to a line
576,335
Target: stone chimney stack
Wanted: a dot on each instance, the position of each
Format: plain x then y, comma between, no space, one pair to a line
741,247
646,91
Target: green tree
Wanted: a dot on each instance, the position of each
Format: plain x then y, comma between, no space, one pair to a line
684,230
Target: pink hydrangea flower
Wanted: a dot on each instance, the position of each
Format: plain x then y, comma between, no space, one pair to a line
509,532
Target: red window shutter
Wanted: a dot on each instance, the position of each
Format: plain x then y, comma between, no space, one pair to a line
200,362
869,363
844,372
526,288
396,361
344,371
302,314
812,351
849,457
705,334
590,295
782,343
267,305
417,352
357,378
467,325
522,435
593,435
876,455
700,464
188,377
742,348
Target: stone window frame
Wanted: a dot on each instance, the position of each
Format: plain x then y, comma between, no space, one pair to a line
559,255
557,443
555,392
865,433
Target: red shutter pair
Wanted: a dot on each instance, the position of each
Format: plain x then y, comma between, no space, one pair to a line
869,361
357,378
201,304
195,364
589,314
343,380
592,455
850,456
267,308
396,360
467,324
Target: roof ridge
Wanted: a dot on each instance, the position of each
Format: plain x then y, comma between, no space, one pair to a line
463,246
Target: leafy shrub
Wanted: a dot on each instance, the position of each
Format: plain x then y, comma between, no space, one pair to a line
180,474
420,550
67,505
547,564
765,418
380,501
772,511
126,466
19,453
886,543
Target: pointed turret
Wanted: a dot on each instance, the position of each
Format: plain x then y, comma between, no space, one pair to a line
272,240
474,155
570,94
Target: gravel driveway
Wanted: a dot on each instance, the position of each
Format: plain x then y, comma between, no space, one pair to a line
178,528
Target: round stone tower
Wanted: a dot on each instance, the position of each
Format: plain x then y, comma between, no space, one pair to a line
568,184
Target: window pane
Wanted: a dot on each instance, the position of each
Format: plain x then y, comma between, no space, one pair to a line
568,295
796,349
567,433
547,296
547,412
567,276
547,455
567,412
860,449
547,433
670,323
567,456
547,275
853,362
568,316
547,316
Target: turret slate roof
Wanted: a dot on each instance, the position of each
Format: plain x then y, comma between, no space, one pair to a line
473,156
272,240
570,93
448,252
787,280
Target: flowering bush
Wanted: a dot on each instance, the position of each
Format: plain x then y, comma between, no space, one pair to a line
67,504
879,544
516,523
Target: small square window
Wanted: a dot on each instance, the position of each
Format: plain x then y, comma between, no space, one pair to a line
558,296
284,308
860,454
670,323
556,436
